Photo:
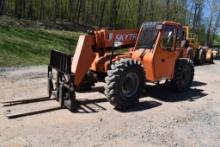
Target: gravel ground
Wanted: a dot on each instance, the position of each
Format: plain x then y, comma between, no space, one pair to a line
162,118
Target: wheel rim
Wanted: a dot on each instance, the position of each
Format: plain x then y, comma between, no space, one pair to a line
203,57
130,84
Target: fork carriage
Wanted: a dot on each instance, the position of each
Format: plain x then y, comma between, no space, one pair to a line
60,80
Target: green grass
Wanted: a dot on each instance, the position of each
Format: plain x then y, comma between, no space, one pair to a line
20,46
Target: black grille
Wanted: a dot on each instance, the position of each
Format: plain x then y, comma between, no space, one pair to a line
61,61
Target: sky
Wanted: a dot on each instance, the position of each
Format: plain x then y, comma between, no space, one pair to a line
207,11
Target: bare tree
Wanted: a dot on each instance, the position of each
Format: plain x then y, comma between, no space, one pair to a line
2,4
102,14
213,23
217,23
140,12
80,2
167,9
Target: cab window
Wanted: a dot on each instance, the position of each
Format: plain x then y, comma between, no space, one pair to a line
179,37
168,37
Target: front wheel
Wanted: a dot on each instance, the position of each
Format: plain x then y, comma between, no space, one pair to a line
183,75
202,56
190,53
211,60
124,83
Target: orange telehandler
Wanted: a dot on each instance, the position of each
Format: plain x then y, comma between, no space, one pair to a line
156,52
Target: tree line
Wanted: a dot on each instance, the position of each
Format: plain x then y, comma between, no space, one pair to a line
117,14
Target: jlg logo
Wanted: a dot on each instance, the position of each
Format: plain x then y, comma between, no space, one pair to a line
123,37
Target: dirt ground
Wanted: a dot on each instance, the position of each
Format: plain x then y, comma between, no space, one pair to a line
162,118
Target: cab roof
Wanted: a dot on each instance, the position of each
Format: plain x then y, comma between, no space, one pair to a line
154,23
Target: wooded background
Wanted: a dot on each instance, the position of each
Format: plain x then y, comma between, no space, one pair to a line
202,15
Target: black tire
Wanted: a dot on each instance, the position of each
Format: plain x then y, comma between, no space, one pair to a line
87,83
124,83
211,61
49,84
202,56
190,53
183,75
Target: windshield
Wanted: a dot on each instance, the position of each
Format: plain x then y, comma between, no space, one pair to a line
147,35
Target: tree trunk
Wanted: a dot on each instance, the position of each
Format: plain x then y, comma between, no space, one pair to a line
194,17
216,27
2,4
209,30
151,10
168,10
55,11
113,14
140,12
102,14
79,11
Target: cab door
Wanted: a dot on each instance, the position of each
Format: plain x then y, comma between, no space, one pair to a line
165,55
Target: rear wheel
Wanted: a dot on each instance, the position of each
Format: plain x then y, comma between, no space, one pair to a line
211,60
124,83
183,75
202,56
190,53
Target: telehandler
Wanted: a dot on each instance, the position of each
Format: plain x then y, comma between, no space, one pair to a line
156,52
196,52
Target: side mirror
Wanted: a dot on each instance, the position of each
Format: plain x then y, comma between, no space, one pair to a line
118,44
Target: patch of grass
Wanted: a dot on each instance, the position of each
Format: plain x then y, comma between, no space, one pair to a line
20,46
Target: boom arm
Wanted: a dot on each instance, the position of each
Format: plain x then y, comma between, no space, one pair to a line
105,39
98,42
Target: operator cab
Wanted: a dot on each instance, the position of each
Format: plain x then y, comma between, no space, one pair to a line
172,35
158,46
